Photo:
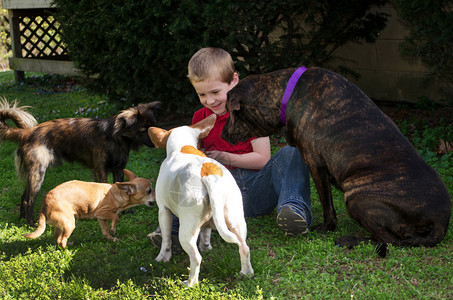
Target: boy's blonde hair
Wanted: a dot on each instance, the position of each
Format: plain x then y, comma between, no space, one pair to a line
211,63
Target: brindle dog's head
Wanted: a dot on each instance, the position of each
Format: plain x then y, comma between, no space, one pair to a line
254,107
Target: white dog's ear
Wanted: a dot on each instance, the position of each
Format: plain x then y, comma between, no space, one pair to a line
159,136
205,125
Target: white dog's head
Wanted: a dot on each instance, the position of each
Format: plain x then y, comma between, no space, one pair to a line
178,137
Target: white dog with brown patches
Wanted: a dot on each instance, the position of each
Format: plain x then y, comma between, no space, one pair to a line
201,193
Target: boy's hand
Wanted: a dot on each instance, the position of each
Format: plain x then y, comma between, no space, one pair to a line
213,154
220,156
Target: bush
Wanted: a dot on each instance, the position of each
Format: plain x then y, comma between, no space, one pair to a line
140,49
430,35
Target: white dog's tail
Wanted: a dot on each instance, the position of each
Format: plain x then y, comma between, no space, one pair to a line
210,174
39,230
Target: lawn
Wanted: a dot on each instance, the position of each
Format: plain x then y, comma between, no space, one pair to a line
310,267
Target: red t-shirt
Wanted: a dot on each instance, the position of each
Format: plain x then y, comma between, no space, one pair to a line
214,142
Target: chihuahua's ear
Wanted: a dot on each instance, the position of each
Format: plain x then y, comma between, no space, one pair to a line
127,187
205,125
129,175
159,137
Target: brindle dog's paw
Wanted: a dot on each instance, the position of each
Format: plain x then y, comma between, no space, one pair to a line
352,241
381,250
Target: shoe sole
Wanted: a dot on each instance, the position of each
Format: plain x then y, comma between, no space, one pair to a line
291,223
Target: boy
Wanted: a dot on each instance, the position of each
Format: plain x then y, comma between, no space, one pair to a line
281,181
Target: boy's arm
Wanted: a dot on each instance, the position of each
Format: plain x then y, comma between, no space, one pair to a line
254,160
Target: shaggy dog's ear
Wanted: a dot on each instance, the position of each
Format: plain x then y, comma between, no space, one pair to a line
148,112
129,117
149,107
155,106
125,119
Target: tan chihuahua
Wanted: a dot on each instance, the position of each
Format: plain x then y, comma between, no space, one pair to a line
90,200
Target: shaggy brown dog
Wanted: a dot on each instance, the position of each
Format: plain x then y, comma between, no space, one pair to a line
99,144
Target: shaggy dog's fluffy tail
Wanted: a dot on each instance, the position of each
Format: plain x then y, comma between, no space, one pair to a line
18,115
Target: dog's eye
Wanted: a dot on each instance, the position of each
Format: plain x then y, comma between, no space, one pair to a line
149,191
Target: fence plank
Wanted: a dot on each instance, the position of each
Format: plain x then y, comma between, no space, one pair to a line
43,66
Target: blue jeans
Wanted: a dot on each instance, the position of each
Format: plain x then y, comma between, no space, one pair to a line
284,180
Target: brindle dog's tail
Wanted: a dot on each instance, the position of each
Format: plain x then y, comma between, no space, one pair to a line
18,115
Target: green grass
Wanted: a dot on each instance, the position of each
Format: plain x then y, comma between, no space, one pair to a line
309,267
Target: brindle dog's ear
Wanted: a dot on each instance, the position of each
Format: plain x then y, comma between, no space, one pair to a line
232,102
235,105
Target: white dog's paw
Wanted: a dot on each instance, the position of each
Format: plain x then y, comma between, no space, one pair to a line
204,247
163,257
190,283
247,273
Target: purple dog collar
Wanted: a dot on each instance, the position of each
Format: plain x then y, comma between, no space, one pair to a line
288,91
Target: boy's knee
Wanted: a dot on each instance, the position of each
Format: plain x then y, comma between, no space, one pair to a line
290,154
287,151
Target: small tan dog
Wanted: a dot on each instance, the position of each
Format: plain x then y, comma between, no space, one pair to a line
201,192
90,200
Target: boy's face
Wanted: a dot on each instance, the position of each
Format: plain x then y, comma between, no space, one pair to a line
213,93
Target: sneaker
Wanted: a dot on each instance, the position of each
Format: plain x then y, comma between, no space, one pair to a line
155,238
291,222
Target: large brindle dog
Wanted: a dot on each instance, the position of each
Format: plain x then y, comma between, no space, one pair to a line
347,141
102,145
